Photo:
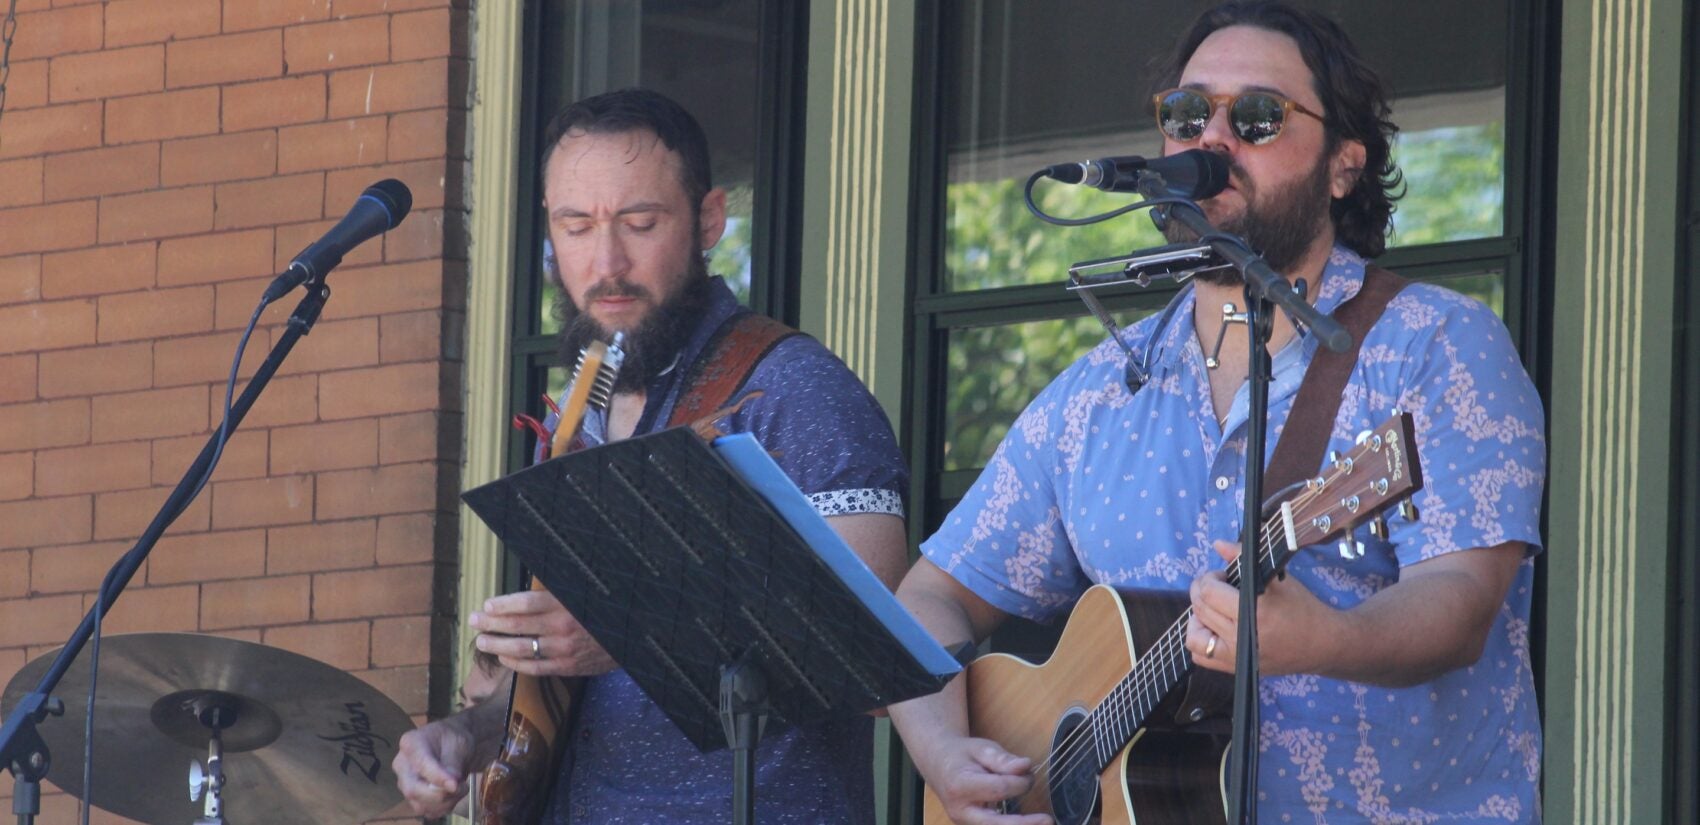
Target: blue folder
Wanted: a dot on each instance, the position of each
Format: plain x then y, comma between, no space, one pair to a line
758,469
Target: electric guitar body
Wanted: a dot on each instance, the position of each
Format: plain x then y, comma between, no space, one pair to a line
516,785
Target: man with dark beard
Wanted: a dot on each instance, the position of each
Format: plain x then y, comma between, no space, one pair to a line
1397,685
631,212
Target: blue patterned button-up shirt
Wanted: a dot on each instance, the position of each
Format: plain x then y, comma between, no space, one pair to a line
1093,485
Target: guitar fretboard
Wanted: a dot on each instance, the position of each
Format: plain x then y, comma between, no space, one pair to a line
1130,703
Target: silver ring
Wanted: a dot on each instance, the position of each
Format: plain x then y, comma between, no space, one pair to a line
537,647
1209,649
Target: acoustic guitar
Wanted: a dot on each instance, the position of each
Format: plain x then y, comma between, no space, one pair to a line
516,785
1100,719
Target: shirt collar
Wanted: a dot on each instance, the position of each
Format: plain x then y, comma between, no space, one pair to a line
1342,277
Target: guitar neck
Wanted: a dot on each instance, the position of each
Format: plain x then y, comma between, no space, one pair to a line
1130,703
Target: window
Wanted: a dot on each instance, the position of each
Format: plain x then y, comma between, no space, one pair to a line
735,65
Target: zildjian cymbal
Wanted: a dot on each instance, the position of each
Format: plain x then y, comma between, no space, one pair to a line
307,742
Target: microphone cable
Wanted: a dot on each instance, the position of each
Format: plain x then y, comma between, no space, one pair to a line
1041,214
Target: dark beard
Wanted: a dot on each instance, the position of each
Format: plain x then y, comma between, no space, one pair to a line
1281,230
655,343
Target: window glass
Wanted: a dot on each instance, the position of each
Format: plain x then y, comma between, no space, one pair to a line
703,55
1031,84
1487,287
1455,184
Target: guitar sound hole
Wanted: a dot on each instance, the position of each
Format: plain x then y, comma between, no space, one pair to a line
1073,780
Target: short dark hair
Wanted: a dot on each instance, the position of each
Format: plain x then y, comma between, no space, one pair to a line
632,110
1354,104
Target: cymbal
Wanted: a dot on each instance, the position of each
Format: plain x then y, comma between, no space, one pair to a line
309,743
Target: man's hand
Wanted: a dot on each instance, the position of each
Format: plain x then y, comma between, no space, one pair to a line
1441,609
431,765
532,633
1291,622
971,776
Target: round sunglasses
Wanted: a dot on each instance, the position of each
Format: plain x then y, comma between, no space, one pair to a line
1256,117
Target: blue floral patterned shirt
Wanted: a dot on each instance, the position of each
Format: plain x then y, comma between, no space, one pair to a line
627,762
1093,485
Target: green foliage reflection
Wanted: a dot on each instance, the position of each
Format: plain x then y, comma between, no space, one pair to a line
1455,185
992,240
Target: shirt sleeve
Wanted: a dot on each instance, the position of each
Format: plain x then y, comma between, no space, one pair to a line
825,430
1479,422
1006,539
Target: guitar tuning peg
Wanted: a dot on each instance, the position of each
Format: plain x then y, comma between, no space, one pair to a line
1378,528
1407,510
1340,462
1362,436
1351,549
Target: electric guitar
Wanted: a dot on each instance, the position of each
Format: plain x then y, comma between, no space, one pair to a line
516,785
1099,718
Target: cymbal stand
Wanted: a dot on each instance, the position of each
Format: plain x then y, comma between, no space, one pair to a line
216,715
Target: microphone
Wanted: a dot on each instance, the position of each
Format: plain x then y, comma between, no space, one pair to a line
378,209
1194,174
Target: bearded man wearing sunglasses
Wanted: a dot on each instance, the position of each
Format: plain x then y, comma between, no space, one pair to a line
1397,685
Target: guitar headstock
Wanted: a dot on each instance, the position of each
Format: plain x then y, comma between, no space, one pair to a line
591,386
1381,471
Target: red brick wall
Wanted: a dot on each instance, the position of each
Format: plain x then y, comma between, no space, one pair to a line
159,161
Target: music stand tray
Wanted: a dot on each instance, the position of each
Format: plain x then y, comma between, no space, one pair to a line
708,576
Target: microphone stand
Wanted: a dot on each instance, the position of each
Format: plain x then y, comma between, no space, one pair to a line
21,747
1264,288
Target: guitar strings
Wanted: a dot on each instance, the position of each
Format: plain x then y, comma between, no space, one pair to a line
1136,685
1139,682
1076,746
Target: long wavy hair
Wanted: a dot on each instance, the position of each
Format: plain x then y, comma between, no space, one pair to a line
1354,103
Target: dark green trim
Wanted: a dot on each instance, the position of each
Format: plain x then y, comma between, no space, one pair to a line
921,410
1683,690
922,414
1534,302
776,259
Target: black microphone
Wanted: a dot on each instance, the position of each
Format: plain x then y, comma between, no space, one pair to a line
378,210
1194,174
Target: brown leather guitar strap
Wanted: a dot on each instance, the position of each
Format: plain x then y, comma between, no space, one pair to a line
723,368
1298,453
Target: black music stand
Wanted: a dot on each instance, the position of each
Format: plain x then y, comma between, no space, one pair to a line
710,579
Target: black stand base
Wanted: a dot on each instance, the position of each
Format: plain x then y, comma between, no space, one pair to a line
743,713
